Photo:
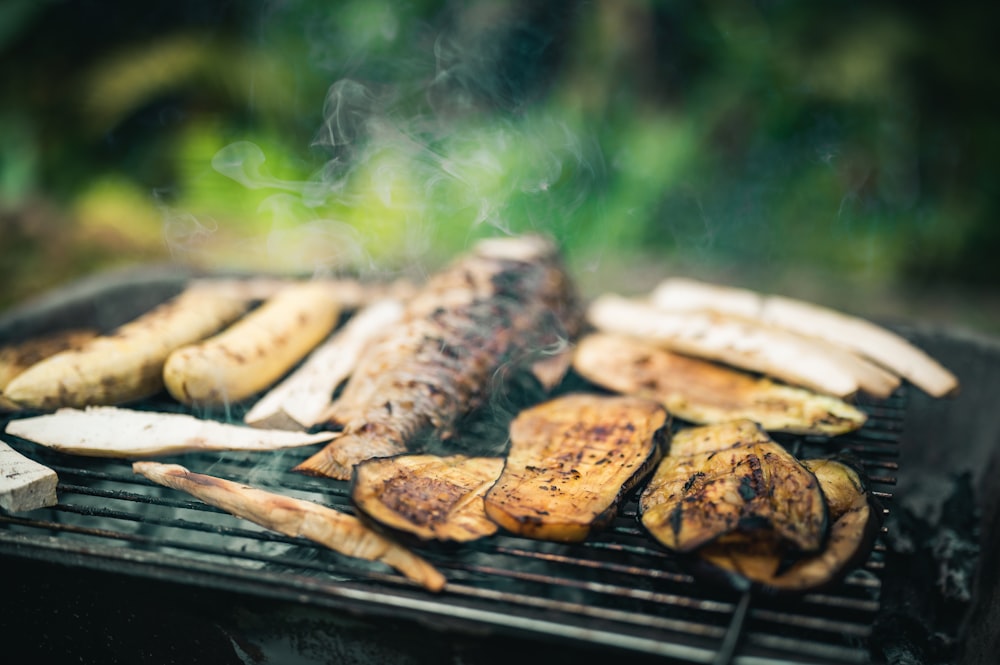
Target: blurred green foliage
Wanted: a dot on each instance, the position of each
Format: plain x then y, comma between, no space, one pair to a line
852,137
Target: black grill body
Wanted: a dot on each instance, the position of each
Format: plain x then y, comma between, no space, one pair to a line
120,547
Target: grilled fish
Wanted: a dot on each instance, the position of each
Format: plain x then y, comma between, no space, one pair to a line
431,497
760,558
570,461
703,392
720,479
505,301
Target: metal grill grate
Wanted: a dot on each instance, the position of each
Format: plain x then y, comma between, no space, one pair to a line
619,589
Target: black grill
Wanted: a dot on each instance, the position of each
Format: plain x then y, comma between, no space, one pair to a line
619,589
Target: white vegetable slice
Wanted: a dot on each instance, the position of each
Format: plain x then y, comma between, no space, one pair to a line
301,399
732,340
24,483
116,432
872,341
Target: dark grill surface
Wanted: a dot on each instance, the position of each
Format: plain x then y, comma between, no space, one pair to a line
619,589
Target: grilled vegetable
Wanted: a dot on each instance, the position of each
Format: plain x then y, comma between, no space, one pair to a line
254,352
432,498
127,364
731,477
496,307
297,518
703,392
870,340
107,431
301,399
24,483
570,461
745,343
761,559
15,358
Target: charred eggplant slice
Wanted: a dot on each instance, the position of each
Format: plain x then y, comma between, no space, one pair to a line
760,559
429,497
570,461
728,478
704,392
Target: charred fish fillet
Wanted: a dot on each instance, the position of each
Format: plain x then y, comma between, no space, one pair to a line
730,477
499,305
703,392
762,559
297,518
434,498
570,461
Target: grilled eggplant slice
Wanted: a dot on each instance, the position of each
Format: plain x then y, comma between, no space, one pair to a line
570,461
760,559
703,392
434,498
727,478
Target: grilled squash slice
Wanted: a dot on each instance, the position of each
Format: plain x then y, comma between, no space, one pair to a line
570,461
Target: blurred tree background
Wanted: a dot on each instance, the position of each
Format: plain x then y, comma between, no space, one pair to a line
843,152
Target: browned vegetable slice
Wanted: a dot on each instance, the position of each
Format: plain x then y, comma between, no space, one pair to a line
761,558
704,392
297,518
570,461
730,477
431,497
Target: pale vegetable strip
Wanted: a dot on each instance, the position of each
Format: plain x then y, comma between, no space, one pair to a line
702,391
859,335
24,483
301,399
738,342
296,518
115,432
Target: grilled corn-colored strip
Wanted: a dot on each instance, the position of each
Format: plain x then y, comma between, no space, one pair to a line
254,352
126,364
